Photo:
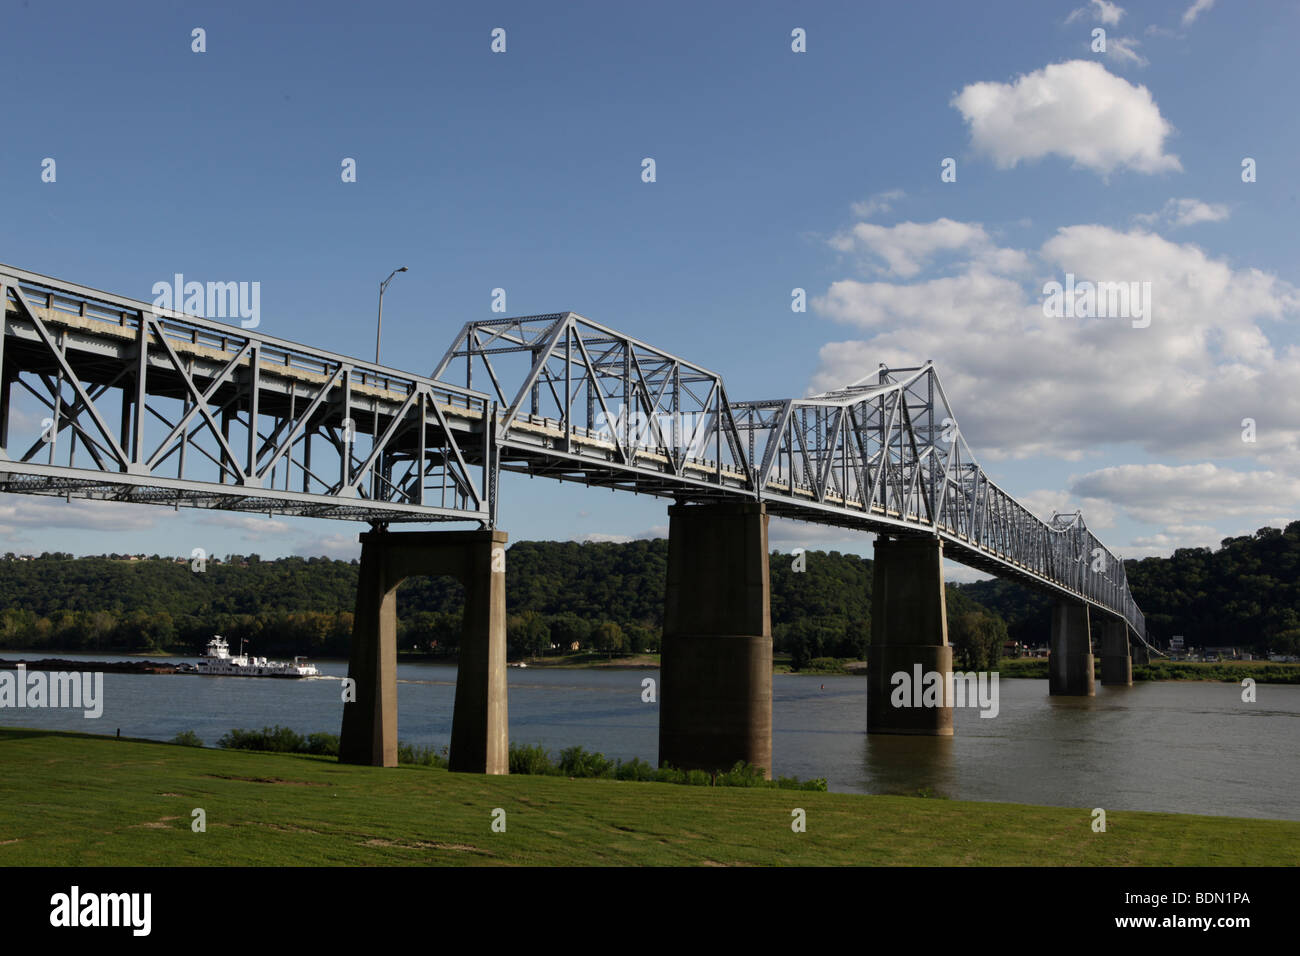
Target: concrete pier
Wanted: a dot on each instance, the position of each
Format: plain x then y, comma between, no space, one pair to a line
1116,664
479,736
1070,661
909,629
716,669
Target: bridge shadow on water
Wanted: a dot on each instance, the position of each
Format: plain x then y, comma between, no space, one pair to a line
906,765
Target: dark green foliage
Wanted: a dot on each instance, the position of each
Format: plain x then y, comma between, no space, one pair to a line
606,597
187,738
418,756
325,745
528,759
579,763
976,634
635,769
576,762
1027,613
275,739
824,665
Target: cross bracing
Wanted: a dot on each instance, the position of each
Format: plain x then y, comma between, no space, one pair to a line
580,401
106,397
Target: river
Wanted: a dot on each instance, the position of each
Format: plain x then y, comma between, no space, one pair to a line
1182,747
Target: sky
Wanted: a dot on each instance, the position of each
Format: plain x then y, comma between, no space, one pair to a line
923,171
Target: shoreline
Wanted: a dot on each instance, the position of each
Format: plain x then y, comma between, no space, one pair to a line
1261,672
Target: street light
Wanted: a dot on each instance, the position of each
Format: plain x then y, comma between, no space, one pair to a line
380,324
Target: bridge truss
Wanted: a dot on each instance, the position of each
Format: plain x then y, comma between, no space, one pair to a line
582,402
107,397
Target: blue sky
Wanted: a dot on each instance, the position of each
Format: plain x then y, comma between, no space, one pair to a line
775,170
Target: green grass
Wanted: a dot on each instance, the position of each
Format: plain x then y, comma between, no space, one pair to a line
71,799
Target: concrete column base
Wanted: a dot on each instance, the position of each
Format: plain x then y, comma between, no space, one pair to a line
909,627
479,734
1117,670
716,664
896,705
1070,669
480,740
721,686
1116,664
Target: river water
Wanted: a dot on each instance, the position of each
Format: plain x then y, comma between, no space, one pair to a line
1179,747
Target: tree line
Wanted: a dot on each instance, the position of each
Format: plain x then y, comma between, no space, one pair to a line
606,597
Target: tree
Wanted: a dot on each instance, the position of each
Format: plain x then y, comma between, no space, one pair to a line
977,638
609,637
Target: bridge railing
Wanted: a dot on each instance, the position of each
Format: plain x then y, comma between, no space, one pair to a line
110,397
581,401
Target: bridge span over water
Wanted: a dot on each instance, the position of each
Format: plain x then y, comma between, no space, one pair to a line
107,397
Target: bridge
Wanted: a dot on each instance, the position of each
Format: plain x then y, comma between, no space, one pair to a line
107,397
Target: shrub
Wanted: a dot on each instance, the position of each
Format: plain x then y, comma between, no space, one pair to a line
275,739
419,756
530,760
187,738
576,762
324,745
635,769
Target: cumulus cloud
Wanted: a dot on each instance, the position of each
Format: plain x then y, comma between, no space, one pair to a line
1043,503
1175,495
1023,384
1078,110
253,527
907,247
38,511
1168,540
1178,213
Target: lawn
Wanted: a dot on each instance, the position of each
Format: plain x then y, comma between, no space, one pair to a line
72,799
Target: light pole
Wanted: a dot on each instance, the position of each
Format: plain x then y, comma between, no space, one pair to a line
379,326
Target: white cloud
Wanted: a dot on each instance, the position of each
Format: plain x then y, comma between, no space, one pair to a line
1078,110
1165,542
1195,10
1124,50
1102,10
1022,384
1175,495
254,527
658,531
955,572
39,511
877,203
344,547
907,247
1097,512
785,534
1186,212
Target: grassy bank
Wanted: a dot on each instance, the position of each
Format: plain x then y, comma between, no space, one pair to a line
84,800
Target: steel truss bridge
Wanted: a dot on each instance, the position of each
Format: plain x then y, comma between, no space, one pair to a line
107,397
